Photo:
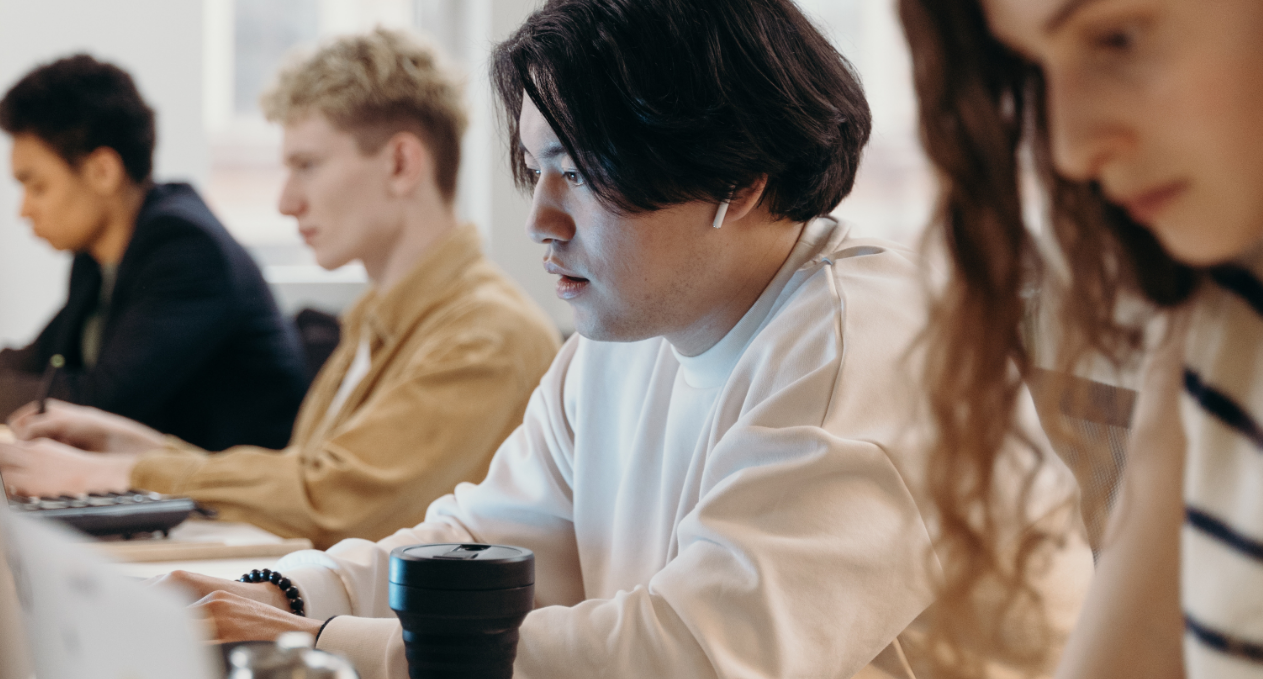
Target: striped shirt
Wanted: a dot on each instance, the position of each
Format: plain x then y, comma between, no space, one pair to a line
1222,539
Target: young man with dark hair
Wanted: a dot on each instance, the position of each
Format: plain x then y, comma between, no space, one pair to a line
168,320
717,475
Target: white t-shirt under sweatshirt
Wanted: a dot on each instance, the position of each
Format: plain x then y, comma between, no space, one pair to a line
747,512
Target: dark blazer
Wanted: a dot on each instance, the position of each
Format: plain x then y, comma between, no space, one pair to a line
192,342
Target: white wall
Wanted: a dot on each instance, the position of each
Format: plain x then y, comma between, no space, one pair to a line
160,43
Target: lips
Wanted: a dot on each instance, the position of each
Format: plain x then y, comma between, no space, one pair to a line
1145,207
569,284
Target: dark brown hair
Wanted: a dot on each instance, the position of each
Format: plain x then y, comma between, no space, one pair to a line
77,105
982,106
659,102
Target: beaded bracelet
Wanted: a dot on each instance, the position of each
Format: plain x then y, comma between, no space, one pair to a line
296,604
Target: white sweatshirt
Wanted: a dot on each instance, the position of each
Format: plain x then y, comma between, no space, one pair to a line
747,512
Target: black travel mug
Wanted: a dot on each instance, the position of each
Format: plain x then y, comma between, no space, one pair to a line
461,606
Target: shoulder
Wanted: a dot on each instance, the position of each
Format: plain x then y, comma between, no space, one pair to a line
871,269
174,211
175,216
864,289
836,352
486,302
177,231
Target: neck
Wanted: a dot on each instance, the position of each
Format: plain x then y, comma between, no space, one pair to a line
420,232
120,223
760,260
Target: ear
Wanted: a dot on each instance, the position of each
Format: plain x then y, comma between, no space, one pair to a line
745,200
411,164
103,171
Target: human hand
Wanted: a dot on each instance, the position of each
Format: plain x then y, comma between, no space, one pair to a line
199,586
83,427
238,611
238,618
48,468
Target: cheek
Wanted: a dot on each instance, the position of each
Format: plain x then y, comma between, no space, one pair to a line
64,220
613,255
1219,144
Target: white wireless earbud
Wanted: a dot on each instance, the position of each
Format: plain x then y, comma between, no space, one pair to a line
719,214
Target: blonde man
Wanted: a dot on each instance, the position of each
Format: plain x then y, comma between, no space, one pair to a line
436,362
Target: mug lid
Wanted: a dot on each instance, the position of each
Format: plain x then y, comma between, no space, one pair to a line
462,566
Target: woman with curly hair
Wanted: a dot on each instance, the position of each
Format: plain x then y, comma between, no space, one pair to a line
1140,120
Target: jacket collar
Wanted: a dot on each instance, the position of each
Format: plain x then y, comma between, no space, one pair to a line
392,313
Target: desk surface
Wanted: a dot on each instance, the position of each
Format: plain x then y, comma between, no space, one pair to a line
217,548
228,569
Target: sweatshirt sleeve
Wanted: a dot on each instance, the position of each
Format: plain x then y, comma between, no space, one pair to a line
416,438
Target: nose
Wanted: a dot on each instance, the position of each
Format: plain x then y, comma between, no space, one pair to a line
549,221
1086,130
291,202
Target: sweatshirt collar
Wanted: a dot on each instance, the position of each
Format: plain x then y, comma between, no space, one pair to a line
711,368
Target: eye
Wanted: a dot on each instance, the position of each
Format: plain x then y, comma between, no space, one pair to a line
532,175
574,177
1118,39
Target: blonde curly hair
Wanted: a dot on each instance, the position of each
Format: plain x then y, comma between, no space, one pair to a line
373,86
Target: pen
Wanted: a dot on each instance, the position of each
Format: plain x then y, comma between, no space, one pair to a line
46,385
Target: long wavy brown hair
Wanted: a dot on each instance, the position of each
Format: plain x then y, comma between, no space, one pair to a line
982,108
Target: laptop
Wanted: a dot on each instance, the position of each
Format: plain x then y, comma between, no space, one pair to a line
66,613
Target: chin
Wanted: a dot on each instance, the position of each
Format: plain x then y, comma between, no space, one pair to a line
329,262
1200,246
610,330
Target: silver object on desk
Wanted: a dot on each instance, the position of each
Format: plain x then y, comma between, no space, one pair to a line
291,657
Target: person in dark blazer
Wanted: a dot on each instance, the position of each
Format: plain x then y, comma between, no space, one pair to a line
168,321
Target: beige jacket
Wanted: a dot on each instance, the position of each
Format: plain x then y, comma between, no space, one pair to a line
457,349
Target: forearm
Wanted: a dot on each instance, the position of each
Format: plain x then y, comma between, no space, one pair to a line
245,483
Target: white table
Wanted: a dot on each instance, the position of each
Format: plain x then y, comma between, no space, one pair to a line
216,548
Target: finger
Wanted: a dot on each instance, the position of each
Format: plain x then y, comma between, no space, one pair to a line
13,455
205,626
43,427
18,482
18,417
193,585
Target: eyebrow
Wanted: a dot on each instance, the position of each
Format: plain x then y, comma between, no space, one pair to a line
550,151
1062,15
